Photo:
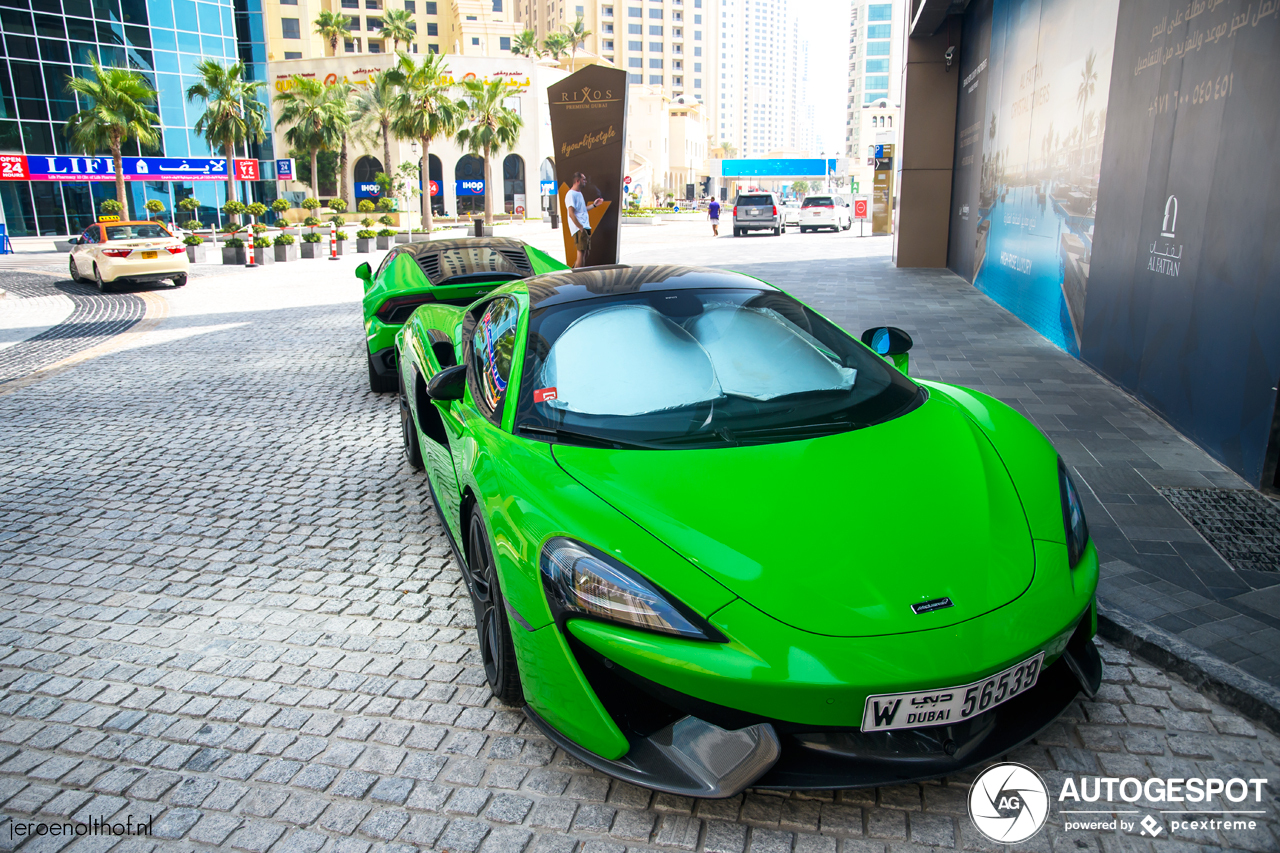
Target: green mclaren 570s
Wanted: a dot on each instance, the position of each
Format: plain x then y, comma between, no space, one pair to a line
713,541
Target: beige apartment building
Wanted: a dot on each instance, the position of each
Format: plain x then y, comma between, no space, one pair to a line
458,27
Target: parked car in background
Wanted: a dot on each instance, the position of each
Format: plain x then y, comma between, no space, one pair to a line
825,211
110,252
791,213
758,212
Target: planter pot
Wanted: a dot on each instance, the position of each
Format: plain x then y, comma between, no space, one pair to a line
197,254
264,256
234,256
404,238
344,247
284,254
313,250
364,245
384,242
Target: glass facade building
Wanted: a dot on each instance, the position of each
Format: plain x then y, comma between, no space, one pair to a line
47,41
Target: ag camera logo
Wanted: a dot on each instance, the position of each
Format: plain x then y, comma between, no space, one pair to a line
1008,803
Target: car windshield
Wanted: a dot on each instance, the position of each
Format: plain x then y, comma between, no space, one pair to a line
699,368
141,231
755,199
818,201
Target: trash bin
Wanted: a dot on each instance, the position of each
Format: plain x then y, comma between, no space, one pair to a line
478,221
555,219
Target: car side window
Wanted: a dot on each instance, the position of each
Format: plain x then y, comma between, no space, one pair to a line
385,261
90,235
488,353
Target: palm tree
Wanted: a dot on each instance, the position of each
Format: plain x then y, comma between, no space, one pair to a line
332,26
526,44
577,34
491,127
317,120
397,25
1088,83
726,151
118,100
232,111
342,92
424,109
374,111
556,45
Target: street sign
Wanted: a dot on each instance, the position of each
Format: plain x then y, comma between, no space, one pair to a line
470,187
854,186
547,187
627,180
435,188
246,170
368,190
13,167
286,169
860,208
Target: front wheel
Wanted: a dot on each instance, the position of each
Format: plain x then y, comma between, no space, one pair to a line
804,230
378,383
75,272
103,287
497,650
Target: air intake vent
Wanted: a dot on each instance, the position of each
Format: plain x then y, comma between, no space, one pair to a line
518,259
430,264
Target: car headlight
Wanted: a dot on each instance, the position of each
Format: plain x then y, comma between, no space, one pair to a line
582,581
1072,516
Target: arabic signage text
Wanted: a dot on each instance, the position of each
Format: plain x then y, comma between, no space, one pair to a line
246,170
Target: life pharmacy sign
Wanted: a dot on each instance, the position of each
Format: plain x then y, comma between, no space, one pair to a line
21,167
1187,807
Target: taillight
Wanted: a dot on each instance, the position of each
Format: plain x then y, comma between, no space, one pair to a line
775,210
117,253
735,210
176,250
398,309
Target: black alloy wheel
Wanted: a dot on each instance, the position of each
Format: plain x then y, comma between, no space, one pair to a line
409,432
103,287
497,650
75,272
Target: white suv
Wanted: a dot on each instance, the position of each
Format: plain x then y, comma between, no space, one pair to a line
825,211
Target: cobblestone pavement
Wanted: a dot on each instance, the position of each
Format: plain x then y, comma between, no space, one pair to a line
227,606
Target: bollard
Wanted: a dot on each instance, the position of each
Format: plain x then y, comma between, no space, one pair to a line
479,223
555,219
333,242
249,251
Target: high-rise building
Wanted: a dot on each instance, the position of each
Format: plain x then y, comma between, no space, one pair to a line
163,40
458,27
873,112
759,45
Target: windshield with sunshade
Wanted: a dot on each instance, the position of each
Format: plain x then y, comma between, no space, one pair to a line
689,368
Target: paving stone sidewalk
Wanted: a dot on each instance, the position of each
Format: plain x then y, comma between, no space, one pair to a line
227,605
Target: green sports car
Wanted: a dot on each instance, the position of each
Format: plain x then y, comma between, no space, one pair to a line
713,541
452,272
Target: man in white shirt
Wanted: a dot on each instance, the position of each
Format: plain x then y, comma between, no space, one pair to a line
575,208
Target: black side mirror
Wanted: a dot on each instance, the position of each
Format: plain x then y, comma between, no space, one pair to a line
887,340
364,272
75,241
448,384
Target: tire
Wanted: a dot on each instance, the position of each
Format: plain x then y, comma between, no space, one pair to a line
379,384
180,281
804,230
75,273
409,432
103,287
737,232
777,232
497,650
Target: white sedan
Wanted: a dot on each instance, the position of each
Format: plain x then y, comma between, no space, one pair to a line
791,212
825,211
109,252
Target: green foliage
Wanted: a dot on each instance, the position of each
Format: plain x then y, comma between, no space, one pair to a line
261,243
280,205
332,27
526,44
311,237
192,240
366,234
311,221
191,224
259,228
556,45
386,232
154,206
365,206
118,111
284,240
189,204
367,222
233,208
316,115
233,113
387,219
397,25
110,206
257,209
233,243
338,205
385,203
341,235
310,204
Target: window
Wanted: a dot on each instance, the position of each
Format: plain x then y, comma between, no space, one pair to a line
877,48
490,350
880,31
608,29
697,66
433,48
872,97
475,41
635,62
351,45
655,79
697,51
289,28
635,78
655,30
655,46
635,12
497,5
354,20
431,7
876,66
433,29
373,4
288,2
880,12
697,83
677,81
504,43
635,29
371,23
608,44
351,4
580,11
697,35
411,5
293,54
635,45
655,13
607,11
655,63
697,19
878,82
375,47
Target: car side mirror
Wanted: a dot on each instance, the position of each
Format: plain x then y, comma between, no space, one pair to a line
75,241
887,340
364,272
448,384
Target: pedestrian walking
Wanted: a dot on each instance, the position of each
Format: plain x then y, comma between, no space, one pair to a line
713,213
575,208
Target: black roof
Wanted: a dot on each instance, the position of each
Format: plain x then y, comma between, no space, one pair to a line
594,282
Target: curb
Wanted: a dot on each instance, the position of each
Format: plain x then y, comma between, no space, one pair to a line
1205,672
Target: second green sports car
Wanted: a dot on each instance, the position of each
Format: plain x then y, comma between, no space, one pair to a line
453,272
713,541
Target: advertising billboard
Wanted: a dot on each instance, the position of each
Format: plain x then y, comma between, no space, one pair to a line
61,168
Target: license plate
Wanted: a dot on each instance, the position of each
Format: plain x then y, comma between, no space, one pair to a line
817,213
149,256
951,704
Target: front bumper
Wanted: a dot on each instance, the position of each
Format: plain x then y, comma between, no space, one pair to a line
685,746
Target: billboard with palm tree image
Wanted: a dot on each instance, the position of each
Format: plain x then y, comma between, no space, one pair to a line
1034,80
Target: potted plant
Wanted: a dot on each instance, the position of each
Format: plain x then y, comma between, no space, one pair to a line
338,205
311,245
310,204
340,239
258,228
365,206
262,251
233,209
285,249
257,210
195,248
364,240
155,207
233,251
280,205
385,236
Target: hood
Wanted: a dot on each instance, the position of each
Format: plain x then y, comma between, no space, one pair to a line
837,535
